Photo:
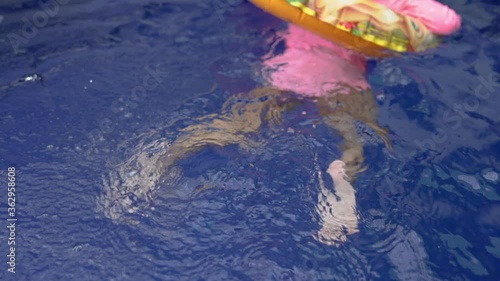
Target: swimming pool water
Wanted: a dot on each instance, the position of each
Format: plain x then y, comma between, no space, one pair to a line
100,79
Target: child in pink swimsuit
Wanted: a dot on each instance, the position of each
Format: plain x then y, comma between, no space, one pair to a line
312,67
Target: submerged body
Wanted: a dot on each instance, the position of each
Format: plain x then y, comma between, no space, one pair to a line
311,67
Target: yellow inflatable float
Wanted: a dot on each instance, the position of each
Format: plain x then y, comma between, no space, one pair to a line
361,25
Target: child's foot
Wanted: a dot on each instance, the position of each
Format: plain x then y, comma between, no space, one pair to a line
337,210
337,170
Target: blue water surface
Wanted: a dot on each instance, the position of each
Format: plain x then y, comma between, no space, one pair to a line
95,80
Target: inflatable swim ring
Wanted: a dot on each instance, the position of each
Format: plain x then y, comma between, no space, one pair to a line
361,25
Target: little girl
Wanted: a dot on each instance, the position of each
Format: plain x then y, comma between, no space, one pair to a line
310,67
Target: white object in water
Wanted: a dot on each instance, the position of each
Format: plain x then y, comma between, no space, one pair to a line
470,180
491,176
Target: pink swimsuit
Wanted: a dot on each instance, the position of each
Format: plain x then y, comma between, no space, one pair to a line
312,66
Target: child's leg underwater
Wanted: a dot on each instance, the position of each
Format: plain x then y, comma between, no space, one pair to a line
338,209
239,118
132,184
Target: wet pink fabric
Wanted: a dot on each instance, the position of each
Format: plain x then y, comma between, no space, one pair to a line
313,66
